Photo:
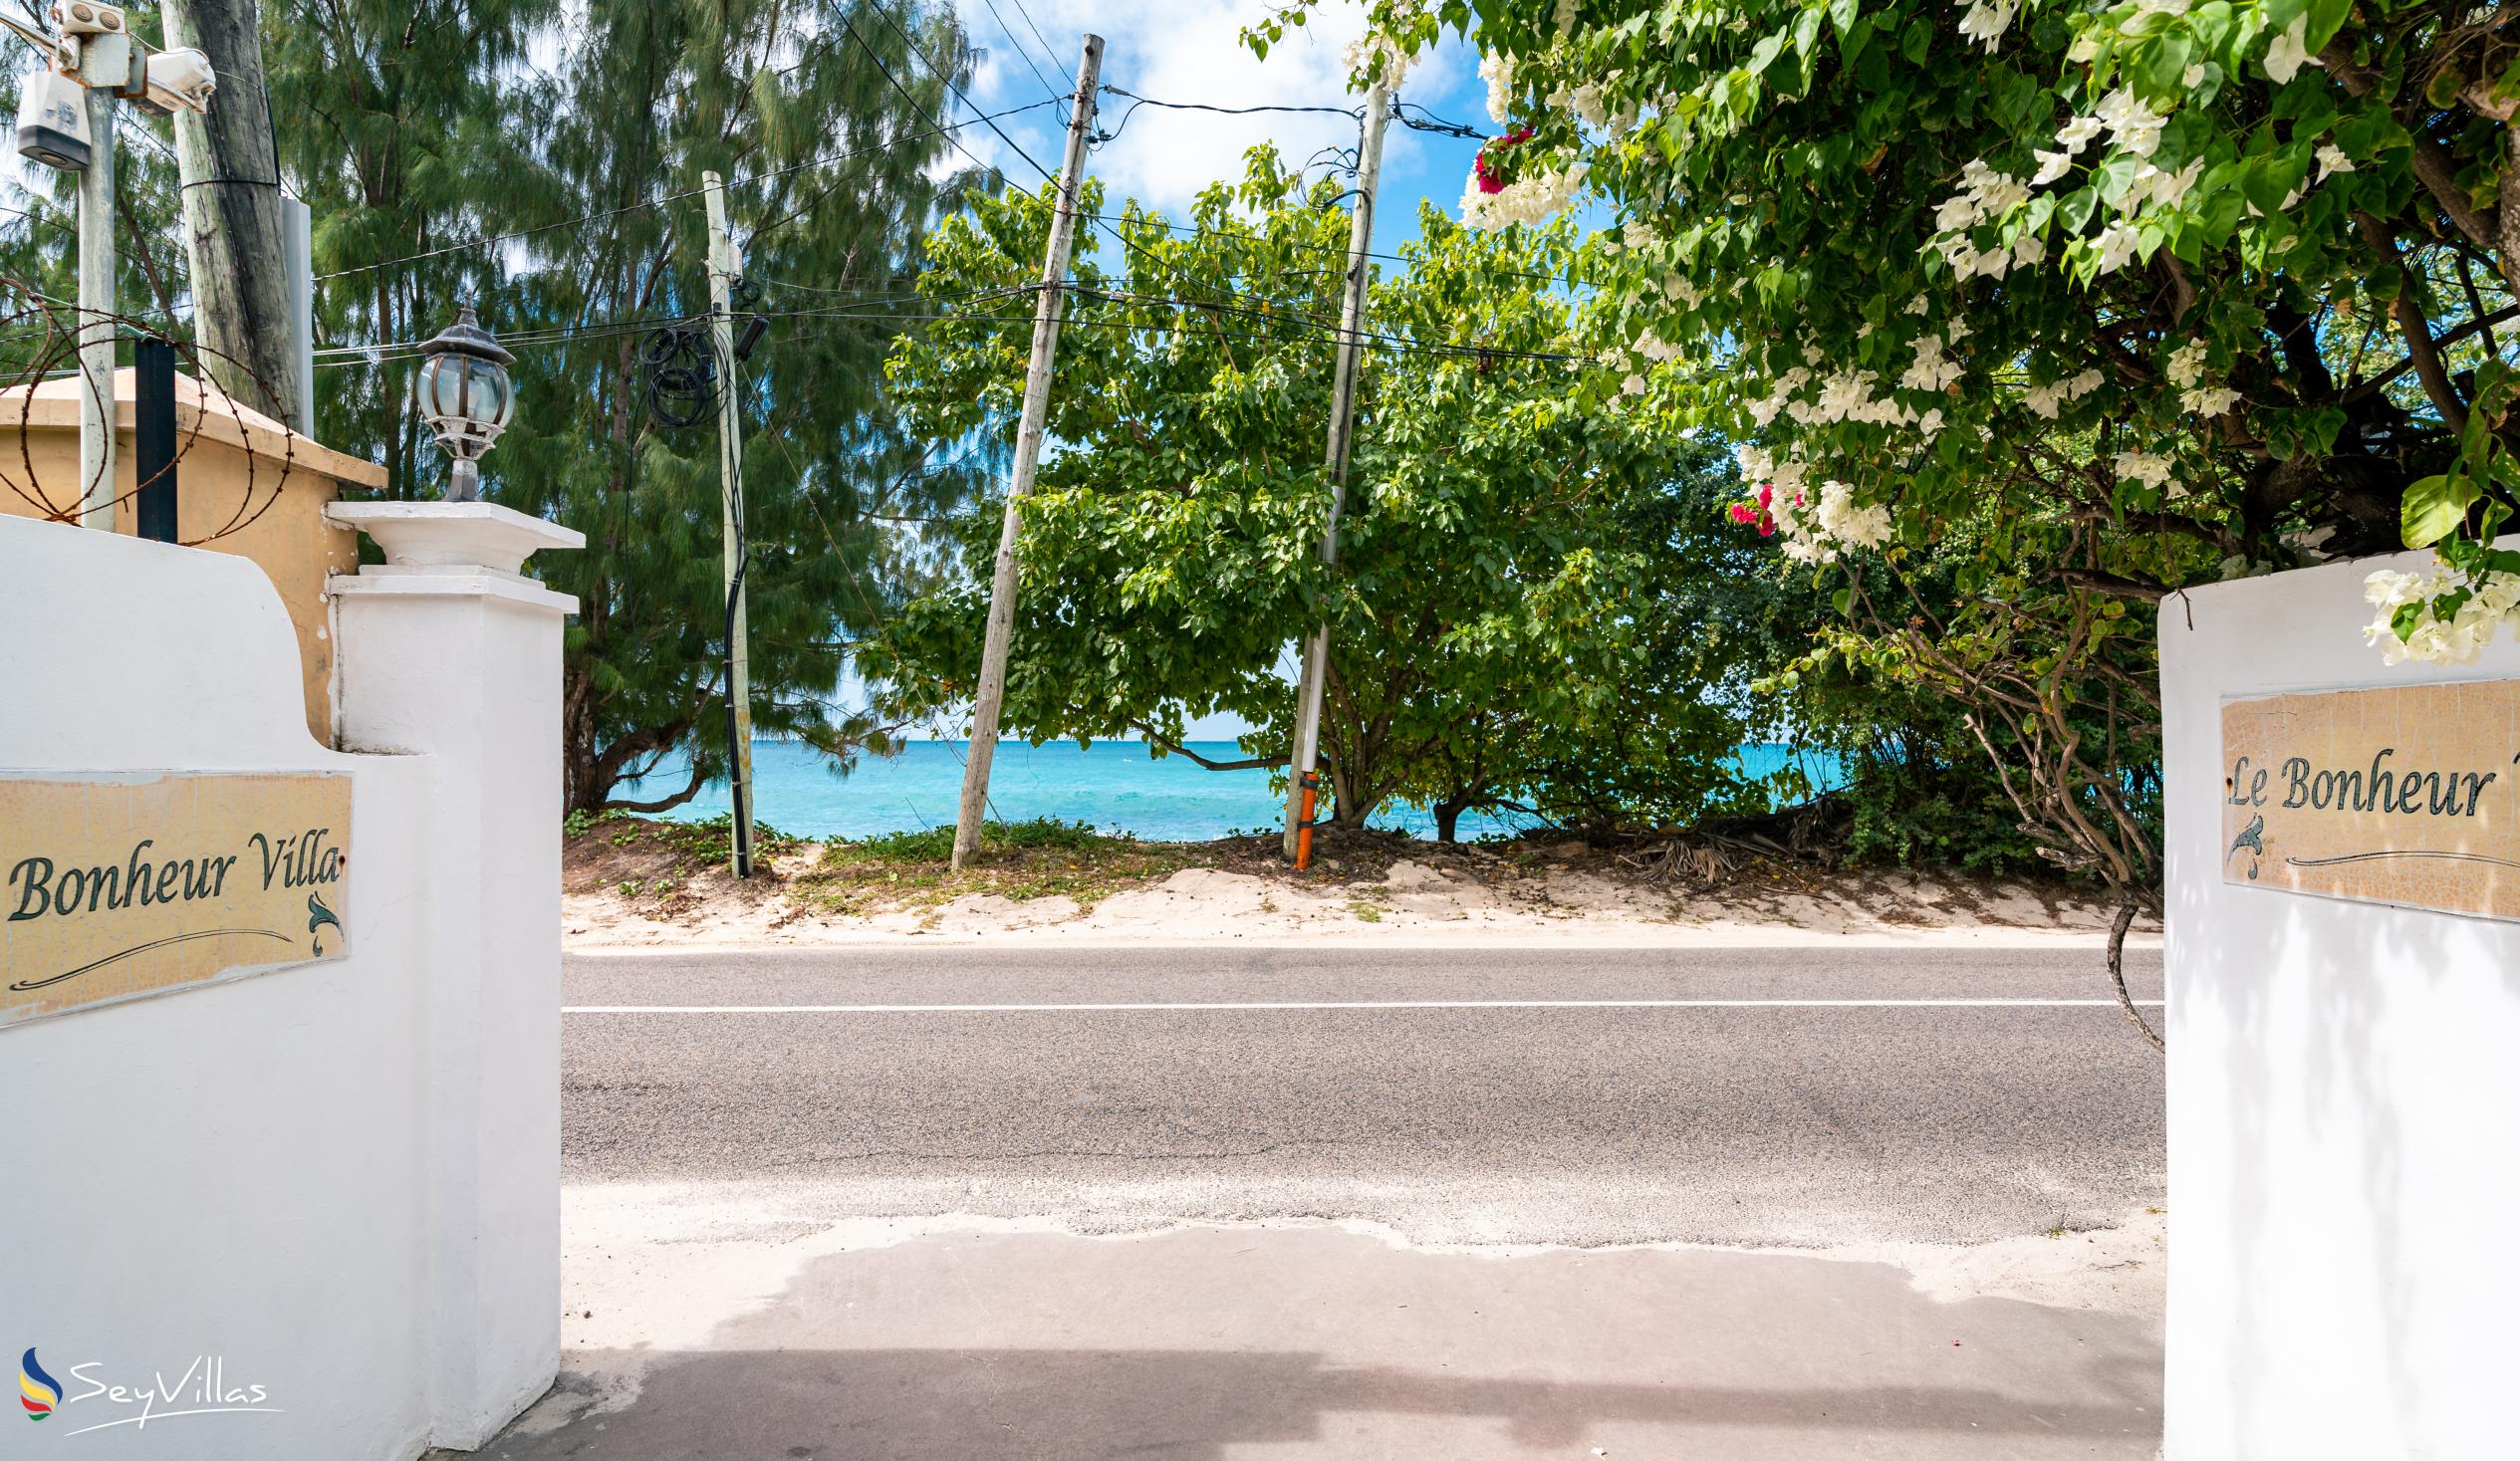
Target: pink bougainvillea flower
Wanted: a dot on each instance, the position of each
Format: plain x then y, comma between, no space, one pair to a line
1490,180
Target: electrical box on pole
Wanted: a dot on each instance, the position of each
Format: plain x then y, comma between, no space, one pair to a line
724,268
65,120
1302,781
990,698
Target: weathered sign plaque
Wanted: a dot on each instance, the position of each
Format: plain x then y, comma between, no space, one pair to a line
2406,795
125,884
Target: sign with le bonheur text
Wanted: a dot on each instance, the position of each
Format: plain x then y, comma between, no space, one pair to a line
2407,795
116,884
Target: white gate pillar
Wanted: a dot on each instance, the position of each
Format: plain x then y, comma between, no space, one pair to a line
447,651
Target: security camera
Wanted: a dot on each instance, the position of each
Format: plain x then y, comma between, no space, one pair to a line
176,81
53,120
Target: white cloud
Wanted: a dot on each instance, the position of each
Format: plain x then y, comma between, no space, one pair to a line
1181,50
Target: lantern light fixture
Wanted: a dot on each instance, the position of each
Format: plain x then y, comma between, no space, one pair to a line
464,394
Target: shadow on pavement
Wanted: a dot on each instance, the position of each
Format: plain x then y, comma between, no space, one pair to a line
1224,1343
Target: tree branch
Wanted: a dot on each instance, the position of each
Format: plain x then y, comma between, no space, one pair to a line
2422,350
2106,583
661,804
1175,748
2433,165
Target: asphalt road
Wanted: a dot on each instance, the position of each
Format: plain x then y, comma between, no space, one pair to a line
1800,1096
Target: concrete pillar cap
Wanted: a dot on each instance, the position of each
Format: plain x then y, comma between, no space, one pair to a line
453,533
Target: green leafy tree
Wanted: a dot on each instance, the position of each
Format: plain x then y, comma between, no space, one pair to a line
1495,636
2086,301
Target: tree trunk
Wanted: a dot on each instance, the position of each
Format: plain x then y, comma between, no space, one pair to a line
231,213
1448,817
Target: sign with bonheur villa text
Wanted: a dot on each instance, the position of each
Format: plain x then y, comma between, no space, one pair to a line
2406,795
122,884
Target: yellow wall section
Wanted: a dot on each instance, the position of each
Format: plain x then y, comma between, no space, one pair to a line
248,487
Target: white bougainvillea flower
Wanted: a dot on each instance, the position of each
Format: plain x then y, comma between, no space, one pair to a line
2132,124
2052,165
2188,363
1986,22
2077,134
2209,400
2332,160
2471,625
2151,469
2193,77
1498,71
2289,52
2115,246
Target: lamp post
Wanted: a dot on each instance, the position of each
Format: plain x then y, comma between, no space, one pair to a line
465,397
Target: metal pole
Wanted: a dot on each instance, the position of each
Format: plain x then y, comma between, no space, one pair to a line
103,64
297,249
1302,783
724,269
153,438
990,698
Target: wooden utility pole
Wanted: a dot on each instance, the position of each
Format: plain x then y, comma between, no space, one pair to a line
725,267
1303,783
990,698
232,213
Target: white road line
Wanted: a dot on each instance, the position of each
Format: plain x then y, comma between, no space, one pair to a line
1415,1004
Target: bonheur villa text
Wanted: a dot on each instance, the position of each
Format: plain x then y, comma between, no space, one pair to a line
2377,789
36,886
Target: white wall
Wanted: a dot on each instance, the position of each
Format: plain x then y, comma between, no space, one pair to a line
2344,1099
341,1178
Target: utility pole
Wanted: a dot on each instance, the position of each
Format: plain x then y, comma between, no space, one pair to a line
105,59
724,268
1047,308
237,228
1302,784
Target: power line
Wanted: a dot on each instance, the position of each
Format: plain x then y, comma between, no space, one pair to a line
1433,124
386,350
57,224
658,202
1352,113
1195,228
1333,330
1018,43
1047,49
947,82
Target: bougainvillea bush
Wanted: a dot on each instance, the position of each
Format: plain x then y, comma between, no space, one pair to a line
2117,298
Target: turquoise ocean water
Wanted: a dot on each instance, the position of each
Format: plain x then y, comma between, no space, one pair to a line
1116,786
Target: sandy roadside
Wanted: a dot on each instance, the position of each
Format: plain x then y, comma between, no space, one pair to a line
1412,901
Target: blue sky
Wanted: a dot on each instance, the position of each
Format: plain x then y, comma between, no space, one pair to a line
1188,51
